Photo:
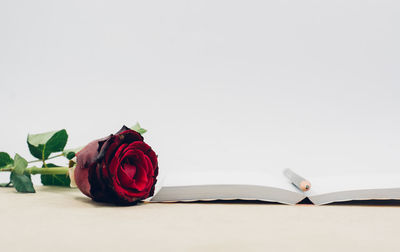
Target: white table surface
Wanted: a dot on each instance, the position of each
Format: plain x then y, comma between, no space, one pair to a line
61,219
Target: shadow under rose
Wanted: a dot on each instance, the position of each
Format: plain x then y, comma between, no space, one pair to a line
89,202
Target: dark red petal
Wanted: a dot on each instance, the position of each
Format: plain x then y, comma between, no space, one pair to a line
126,173
141,183
116,159
85,158
130,136
124,128
147,150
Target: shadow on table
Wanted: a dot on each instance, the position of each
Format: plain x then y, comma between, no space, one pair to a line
230,202
88,201
305,202
368,203
365,203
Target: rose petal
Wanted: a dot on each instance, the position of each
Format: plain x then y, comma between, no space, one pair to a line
146,149
85,158
126,173
142,182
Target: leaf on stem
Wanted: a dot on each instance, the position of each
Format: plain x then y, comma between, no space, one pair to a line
5,160
42,145
138,129
22,183
20,164
55,179
70,153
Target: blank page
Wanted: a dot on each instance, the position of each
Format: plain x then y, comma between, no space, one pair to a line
228,178
228,185
361,186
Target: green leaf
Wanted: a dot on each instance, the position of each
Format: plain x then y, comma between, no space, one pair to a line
70,153
138,129
55,179
20,164
5,159
42,145
22,183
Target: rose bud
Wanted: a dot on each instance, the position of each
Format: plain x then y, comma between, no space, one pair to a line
120,168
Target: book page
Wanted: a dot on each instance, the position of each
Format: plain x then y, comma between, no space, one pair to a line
268,179
244,185
353,186
352,181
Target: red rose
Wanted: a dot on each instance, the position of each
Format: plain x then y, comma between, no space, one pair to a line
120,168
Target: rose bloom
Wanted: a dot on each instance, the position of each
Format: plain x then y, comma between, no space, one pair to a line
120,168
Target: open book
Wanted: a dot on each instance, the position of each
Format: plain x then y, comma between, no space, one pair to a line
276,188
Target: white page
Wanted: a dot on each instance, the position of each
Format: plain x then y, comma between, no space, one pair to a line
351,186
267,179
244,185
351,181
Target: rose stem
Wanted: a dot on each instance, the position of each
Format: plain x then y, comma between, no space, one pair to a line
36,170
53,170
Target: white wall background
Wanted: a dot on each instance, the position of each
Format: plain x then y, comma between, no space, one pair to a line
312,85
